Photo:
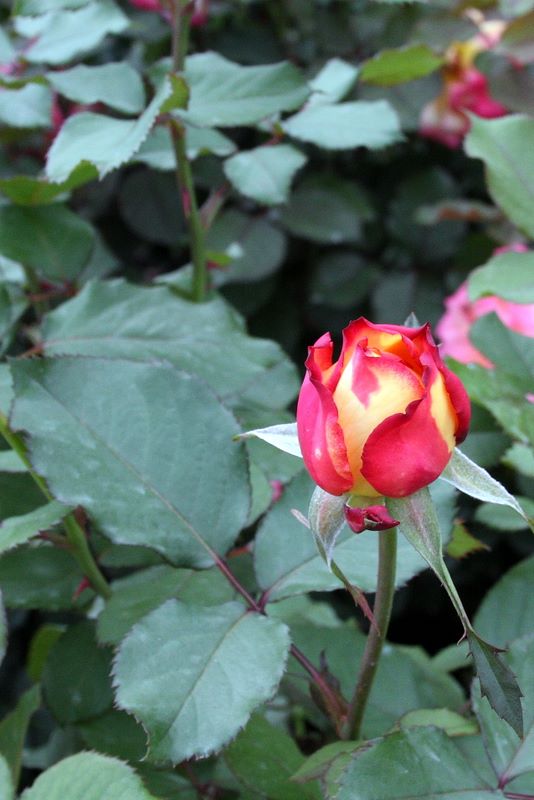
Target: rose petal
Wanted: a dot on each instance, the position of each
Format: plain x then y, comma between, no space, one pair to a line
408,451
371,388
320,435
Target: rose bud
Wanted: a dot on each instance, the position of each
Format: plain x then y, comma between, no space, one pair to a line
384,418
370,518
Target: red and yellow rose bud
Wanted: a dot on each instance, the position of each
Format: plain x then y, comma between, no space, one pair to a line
384,418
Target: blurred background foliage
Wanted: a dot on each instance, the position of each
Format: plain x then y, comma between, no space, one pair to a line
311,221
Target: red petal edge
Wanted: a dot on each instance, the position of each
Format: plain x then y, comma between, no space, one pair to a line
405,452
460,401
320,435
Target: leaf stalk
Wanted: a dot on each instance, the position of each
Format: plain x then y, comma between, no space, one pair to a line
76,538
184,176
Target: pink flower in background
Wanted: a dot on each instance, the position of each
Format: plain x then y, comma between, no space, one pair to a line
461,312
199,15
465,89
470,93
148,5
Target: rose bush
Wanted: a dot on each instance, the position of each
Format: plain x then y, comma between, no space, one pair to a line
384,418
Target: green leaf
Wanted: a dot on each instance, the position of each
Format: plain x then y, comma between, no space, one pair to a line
7,790
521,458
117,320
274,463
504,518
230,662
13,729
419,524
59,245
28,107
318,765
76,676
419,763
510,754
227,94
117,85
29,191
516,41
19,494
332,82
344,126
507,611
485,447
508,350
251,249
7,51
12,272
513,8
167,783
28,7
262,493
433,243
506,148
3,629
327,210
463,543
265,173
452,723
101,439
40,646
157,151
283,437
503,394
286,560
13,304
264,758
149,205
452,657
508,275
417,683
342,279
497,682
138,594
88,776
101,141
115,734
327,520
64,35
474,481
6,389
390,67
17,530
39,576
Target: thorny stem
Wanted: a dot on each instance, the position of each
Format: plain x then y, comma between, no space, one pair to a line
385,590
184,175
75,535
334,704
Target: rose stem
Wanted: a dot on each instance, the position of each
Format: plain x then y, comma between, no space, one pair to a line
76,538
184,175
385,590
